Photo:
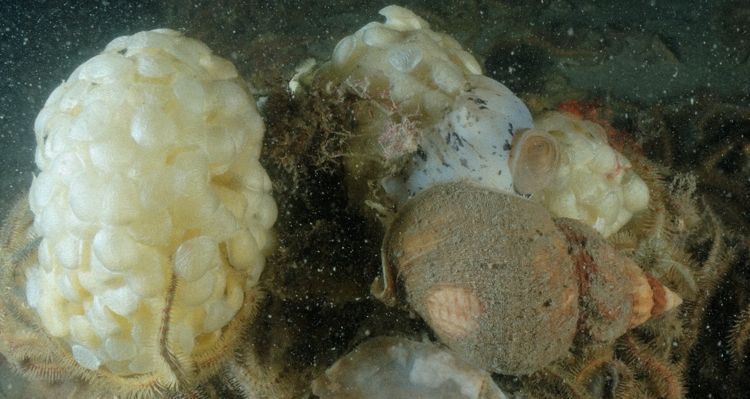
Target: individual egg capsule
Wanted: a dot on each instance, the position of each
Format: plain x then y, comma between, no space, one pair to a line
380,36
194,257
114,248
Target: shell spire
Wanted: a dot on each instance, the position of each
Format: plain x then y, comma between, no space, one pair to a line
664,298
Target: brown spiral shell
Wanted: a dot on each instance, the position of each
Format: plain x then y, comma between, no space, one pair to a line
506,286
489,272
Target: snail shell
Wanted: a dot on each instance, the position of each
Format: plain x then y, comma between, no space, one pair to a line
506,286
489,272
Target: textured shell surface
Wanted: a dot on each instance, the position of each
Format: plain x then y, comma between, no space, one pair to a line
489,272
454,311
505,285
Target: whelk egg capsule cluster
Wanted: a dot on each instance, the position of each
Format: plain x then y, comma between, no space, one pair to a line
430,108
154,212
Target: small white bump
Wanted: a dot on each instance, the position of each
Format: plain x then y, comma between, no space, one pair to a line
405,58
380,36
86,357
344,50
114,248
195,257
120,348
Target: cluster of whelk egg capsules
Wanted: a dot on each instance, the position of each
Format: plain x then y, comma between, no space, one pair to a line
153,211
155,214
